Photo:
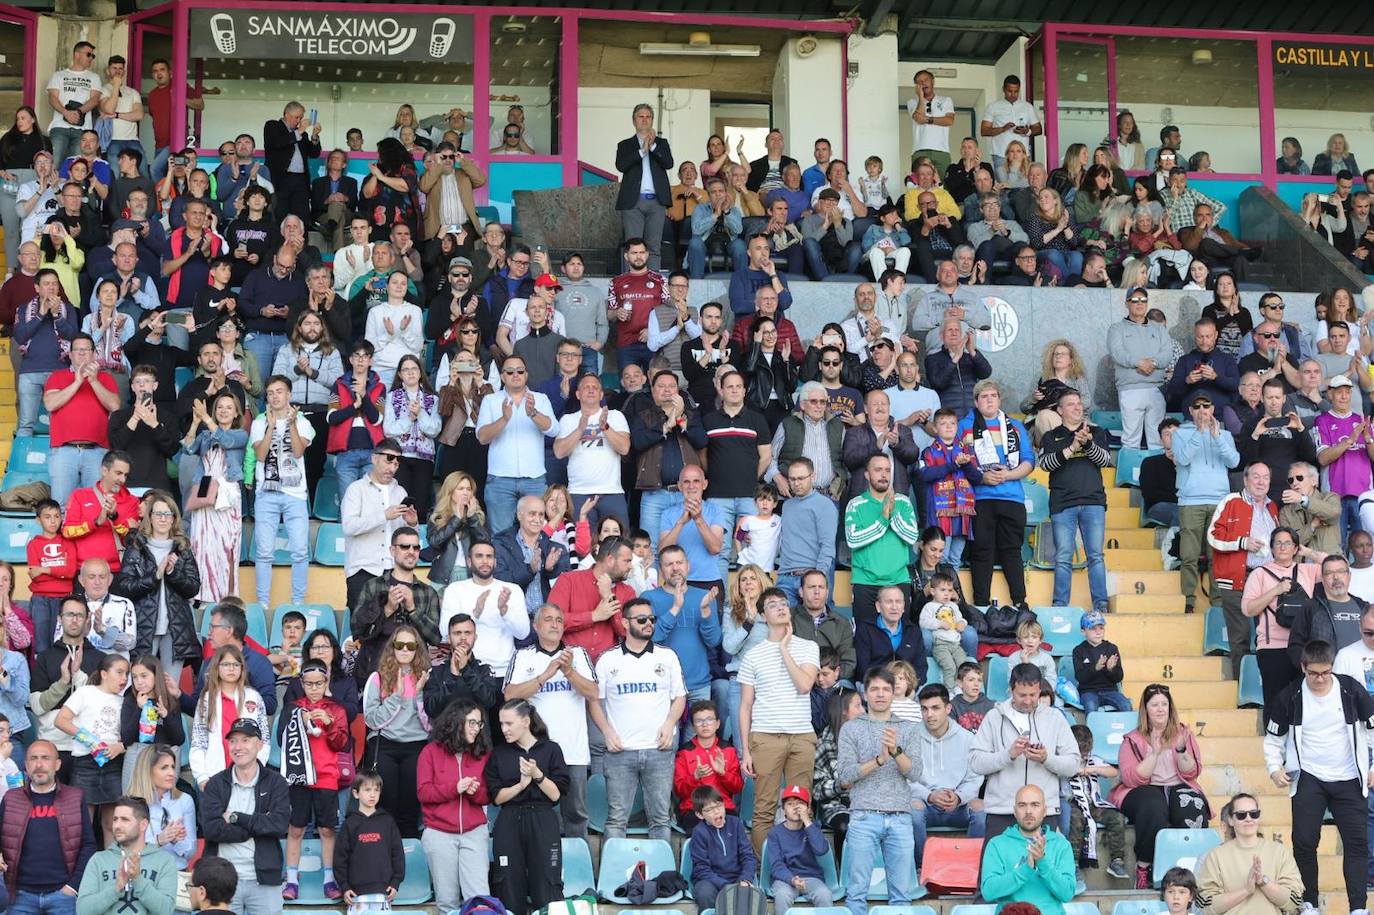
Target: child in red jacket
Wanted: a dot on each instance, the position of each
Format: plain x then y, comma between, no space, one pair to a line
705,761
313,731
52,570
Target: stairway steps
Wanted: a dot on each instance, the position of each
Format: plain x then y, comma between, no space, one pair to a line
1147,603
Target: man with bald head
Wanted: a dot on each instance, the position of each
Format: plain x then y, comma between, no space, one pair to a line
57,838
113,626
767,303
1028,862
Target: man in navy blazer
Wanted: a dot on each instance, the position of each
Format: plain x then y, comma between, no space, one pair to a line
288,150
644,198
873,642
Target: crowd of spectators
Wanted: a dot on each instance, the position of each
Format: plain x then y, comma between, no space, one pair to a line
637,583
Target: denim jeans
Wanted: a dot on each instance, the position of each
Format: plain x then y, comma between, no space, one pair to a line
66,141
629,770
638,353
178,337
1091,520
30,394
878,838
960,817
253,898
503,494
652,502
349,467
1066,262
264,349
608,505
160,160
1350,516
591,361
785,895
9,212
1165,513
1094,699
696,256
815,259
58,903
733,510
273,509
70,468
968,640
112,153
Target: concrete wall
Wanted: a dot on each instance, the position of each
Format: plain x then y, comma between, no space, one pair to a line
603,119
873,99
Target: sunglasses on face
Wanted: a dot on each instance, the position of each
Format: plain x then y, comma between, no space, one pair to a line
831,362
641,620
1137,299
389,458
407,546
468,330
458,274
405,646
1269,336
1297,478
513,372
1274,306
1367,633
1202,406
1246,814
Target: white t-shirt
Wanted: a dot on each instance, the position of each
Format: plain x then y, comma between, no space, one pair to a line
1357,660
1325,749
778,707
1020,112
96,711
594,466
563,708
46,206
281,471
638,690
1362,582
496,631
762,548
73,86
515,318
128,98
930,136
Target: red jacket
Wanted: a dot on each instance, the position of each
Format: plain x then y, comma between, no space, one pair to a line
1229,535
333,739
436,774
52,565
94,534
342,413
685,781
577,594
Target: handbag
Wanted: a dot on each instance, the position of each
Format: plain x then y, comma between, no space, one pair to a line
348,769
950,865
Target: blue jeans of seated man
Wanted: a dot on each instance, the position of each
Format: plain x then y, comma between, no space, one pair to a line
960,817
29,391
503,495
66,141
273,510
652,502
349,467
968,639
264,349
638,353
1066,262
1165,513
160,160
696,255
1091,522
876,838
1350,516
58,903
815,260
629,770
71,468
1094,699
733,509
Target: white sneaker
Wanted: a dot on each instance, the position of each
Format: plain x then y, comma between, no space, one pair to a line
1165,546
1360,912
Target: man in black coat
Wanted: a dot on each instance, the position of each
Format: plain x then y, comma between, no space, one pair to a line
873,640
334,199
765,172
644,199
288,150
224,819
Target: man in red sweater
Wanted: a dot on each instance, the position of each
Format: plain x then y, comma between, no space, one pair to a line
591,599
631,298
79,401
97,514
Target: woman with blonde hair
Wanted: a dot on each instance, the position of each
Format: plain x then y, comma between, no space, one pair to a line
742,628
159,574
1135,271
456,523
397,727
1014,172
224,698
1336,159
215,509
405,117
171,812
1061,370
1067,178
1052,235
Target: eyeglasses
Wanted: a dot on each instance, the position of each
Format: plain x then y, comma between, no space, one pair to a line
1246,814
1275,306
468,330
1270,336
831,362
405,646
314,684
162,514
231,665
1319,674
390,458
569,355
641,620
1297,478
1025,257
520,263
1204,405
1283,543
406,546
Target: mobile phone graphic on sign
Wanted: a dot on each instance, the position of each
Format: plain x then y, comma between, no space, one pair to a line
441,37
222,27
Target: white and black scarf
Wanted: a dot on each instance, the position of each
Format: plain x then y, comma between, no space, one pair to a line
297,762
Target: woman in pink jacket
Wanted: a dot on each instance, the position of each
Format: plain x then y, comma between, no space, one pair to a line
1160,764
1294,570
453,798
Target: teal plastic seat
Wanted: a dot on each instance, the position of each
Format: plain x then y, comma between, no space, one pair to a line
257,623
817,910
1037,499
1182,848
1139,907
326,506
1061,628
901,910
416,888
1214,632
15,534
619,857
971,909
1109,729
829,873
183,376
877,880
1108,419
999,678
29,453
578,876
1128,461
745,803
1251,687
317,616
597,807
1081,908
329,544
15,478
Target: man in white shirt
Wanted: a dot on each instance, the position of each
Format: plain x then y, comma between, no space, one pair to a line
931,117
513,425
125,105
279,438
558,680
642,698
72,94
1356,660
371,511
593,440
114,624
354,259
1009,118
497,607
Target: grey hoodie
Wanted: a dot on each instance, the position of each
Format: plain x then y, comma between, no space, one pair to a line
583,307
945,764
990,756
1128,343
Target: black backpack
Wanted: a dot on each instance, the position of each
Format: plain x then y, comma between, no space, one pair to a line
737,899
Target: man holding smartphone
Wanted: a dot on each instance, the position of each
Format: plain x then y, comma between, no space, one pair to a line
147,430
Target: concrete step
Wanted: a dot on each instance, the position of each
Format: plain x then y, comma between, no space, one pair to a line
1232,751
1166,668
1221,722
1118,498
1128,560
1141,635
1137,538
1194,695
1147,603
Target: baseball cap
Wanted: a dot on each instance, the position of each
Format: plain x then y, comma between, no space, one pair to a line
245,726
1092,618
547,281
798,792
1138,290
1200,398
1340,381
126,224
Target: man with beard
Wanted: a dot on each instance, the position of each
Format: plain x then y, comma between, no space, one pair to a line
880,526
454,301
54,835
592,598
129,878
464,676
687,621
666,438
495,607
701,356
1028,863
632,297
58,671
392,600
